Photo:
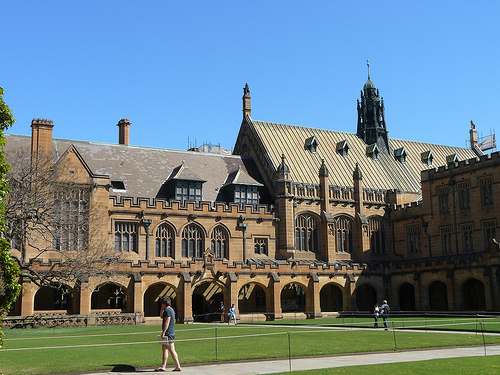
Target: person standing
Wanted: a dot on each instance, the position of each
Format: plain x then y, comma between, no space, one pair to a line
232,314
384,311
168,333
221,310
376,313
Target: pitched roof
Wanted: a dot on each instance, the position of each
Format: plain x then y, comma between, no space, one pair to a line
143,170
240,177
383,172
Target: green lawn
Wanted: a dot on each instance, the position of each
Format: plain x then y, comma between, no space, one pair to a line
470,365
59,350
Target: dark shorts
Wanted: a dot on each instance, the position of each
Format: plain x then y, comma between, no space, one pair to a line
169,339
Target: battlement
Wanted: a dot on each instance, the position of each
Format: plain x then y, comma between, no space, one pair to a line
463,166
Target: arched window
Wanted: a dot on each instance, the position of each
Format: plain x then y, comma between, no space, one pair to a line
378,235
343,232
164,241
220,242
192,242
306,233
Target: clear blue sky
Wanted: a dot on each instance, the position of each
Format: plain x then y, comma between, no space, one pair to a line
177,69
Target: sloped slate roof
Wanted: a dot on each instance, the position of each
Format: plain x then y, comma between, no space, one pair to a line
240,177
143,170
384,172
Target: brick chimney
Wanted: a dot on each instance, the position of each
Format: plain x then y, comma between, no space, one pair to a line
123,136
41,139
246,102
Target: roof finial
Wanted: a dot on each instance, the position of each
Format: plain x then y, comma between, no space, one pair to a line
368,65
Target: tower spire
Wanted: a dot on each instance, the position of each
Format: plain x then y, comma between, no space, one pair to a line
368,65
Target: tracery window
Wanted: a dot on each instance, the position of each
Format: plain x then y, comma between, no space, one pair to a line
306,233
467,237
464,195
71,217
126,237
489,232
446,240
164,243
192,242
378,235
220,242
486,188
443,195
413,239
260,246
343,231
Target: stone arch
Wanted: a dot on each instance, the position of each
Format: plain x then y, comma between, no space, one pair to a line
473,295
164,240
206,298
366,297
330,297
293,297
53,298
110,296
438,296
307,227
153,295
406,297
252,297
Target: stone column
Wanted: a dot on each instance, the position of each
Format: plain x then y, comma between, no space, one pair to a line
314,304
275,287
27,297
185,304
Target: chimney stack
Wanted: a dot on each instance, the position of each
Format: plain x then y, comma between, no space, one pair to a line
41,139
123,136
246,101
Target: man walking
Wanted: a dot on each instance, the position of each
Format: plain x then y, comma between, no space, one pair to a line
168,334
384,312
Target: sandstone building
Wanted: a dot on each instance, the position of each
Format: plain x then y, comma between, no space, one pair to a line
298,219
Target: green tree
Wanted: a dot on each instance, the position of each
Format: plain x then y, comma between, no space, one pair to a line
9,271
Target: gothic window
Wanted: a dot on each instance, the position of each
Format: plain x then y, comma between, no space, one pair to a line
71,216
192,242
443,195
343,231
246,194
489,233
260,246
188,190
413,239
464,195
306,233
164,243
467,237
486,188
220,243
378,235
446,240
126,237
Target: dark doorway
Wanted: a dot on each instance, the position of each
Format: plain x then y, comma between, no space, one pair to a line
331,298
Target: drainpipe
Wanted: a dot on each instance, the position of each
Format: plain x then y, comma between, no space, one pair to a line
243,226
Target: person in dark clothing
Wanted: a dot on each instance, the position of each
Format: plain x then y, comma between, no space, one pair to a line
384,312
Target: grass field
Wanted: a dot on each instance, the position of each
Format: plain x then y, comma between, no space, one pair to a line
58,350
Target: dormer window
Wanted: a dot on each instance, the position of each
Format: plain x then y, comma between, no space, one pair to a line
372,151
311,144
241,188
184,184
427,157
188,191
400,154
343,147
451,159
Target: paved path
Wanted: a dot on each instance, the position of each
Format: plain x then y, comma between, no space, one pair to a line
283,365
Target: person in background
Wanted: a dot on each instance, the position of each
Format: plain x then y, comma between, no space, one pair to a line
232,314
384,311
168,334
376,313
221,310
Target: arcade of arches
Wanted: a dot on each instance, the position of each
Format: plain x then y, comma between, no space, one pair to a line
259,296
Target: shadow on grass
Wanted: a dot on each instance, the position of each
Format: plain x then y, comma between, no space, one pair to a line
121,368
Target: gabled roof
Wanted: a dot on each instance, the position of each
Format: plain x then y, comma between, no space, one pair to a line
240,177
183,172
143,170
384,172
